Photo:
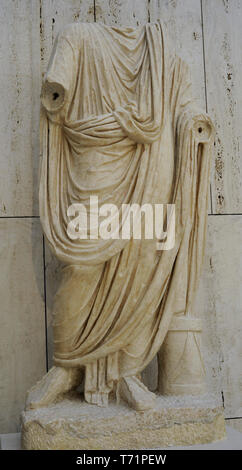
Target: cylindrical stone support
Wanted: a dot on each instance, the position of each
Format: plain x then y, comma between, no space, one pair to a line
180,366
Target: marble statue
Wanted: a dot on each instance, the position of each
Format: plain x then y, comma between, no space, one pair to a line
119,123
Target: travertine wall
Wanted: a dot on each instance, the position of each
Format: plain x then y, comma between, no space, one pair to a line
207,34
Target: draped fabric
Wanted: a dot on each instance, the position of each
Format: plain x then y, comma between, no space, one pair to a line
118,121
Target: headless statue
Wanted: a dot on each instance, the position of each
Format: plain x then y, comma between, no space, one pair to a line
119,125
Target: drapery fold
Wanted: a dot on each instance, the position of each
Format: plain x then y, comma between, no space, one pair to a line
124,128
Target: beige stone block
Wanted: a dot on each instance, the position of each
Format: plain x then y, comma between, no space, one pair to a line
19,118
54,16
22,345
219,306
129,13
235,423
70,424
183,20
222,53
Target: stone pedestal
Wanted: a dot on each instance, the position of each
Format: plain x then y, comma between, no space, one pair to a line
74,424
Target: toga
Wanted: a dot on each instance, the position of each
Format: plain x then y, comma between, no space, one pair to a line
118,121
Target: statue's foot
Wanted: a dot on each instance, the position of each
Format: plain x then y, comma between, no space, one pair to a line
52,386
136,394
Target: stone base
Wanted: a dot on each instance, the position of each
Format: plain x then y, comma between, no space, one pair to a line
74,424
